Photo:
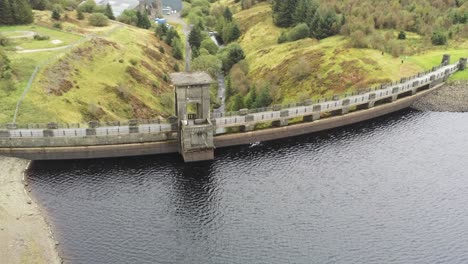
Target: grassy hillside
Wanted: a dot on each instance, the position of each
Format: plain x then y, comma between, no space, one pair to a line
311,68
118,73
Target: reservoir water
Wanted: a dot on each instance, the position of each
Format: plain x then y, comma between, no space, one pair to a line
391,190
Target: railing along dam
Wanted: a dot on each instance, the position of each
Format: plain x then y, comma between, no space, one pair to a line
193,135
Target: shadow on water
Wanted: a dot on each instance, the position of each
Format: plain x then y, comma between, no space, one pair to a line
244,206
201,170
318,138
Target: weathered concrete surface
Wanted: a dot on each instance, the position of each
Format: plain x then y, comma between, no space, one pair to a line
24,233
92,152
86,141
453,97
316,126
88,152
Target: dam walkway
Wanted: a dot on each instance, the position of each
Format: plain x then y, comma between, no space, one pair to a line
194,134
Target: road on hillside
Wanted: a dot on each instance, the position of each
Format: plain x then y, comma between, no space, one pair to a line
176,18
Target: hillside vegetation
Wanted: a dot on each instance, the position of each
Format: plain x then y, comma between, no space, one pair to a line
115,72
313,68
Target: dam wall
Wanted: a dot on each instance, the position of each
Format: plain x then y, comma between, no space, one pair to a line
134,138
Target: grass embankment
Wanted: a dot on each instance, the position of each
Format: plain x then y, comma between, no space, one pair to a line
117,76
23,64
310,68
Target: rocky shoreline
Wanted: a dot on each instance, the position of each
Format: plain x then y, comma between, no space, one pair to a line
25,236
452,97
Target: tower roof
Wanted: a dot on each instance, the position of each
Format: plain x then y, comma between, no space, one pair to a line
191,78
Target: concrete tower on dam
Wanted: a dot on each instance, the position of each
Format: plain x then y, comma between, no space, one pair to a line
192,105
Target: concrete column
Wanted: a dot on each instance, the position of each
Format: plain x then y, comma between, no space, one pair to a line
368,105
11,126
344,110
52,126
48,133
462,64
311,118
247,128
173,122
413,91
4,133
341,111
280,123
93,124
394,98
90,132
446,59
249,118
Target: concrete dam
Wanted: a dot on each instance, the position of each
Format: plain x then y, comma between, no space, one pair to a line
192,133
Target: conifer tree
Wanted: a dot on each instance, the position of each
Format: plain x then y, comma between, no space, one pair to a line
108,12
22,12
56,14
142,20
195,38
227,14
6,16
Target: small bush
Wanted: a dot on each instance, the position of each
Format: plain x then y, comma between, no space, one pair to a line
165,78
402,35
41,37
4,41
301,31
162,50
56,14
121,61
79,15
439,38
98,20
134,62
155,84
57,25
176,67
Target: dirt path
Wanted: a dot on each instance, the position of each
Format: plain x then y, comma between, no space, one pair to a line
46,49
176,18
26,34
24,234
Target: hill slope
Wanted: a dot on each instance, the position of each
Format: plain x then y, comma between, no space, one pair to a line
117,73
311,68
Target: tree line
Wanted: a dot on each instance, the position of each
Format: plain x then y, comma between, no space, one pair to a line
436,19
15,12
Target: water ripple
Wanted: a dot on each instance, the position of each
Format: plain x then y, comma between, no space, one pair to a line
391,190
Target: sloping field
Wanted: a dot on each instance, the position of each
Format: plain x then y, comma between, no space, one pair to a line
115,78
117,73
310,68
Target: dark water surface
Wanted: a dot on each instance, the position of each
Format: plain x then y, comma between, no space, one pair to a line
392,190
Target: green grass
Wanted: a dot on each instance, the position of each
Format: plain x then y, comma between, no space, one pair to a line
24,64
97,69
28,43
333,67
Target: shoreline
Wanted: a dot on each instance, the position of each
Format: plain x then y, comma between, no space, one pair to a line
452,97
25,234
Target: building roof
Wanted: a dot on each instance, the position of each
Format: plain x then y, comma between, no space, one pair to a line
191,78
